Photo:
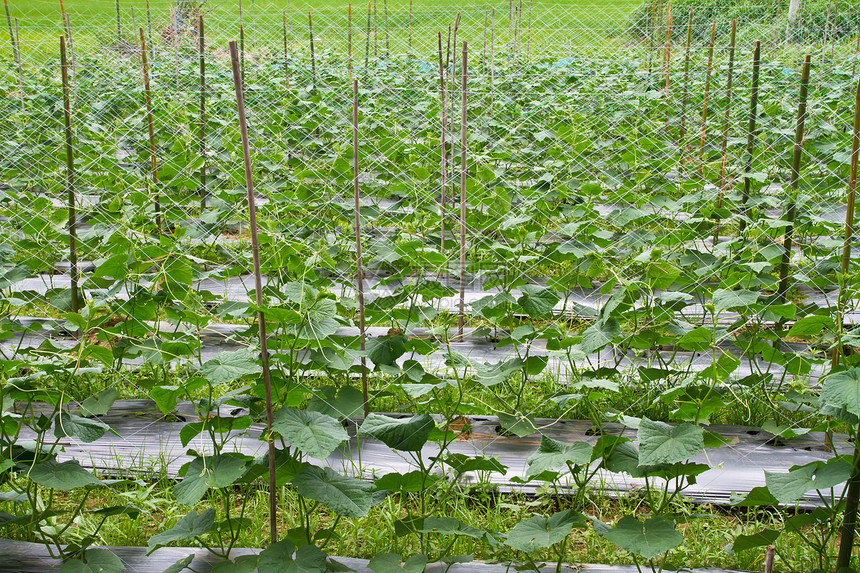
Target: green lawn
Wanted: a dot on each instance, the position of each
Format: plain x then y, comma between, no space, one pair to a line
544,27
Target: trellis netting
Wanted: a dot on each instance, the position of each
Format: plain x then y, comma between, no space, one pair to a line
621,211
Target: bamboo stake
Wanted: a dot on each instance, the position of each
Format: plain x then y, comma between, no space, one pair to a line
375,32
682,128
68,25
833,44
444,170
453,75
849,215
651,25
750,134
70,178
133,20
118,28
724,140
349,39
856,52
202,49
768,559
387,45
367,45
529,32
153,162
20,69
776,30
242,50
667,62
313,59
707,93
149,35
448,50
519,31
258,290
795,181
176,52
359,271
254,22
463,134
286,57
826,32
492,58
409,26
11,33
484,44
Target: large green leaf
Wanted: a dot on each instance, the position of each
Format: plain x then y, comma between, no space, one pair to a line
314,434
404,434
189,527
842,391
390,563
72,425
599,335
661,443
760,539
208,472
346,496
789,487
552,454
537,301
540,532
229,366
725,299
94,561
63,476
279,558
100,404
646,539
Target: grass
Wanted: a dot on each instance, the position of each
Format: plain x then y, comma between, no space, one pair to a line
552,25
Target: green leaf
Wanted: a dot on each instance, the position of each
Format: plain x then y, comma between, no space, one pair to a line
72,425
63,476
518,424
646,539
661,443
537,301
539,532
346,496
242,564
191,526
451,526
760,539
94,561
387,349
229,366
552,454
180,565
842,391
404,434
208,472
724,299
599,335
348,402
99,405
314,434
789,487
390,563
810,326
278,558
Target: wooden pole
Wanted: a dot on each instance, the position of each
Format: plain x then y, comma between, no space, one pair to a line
443,107
286,54
492,57
529,32
705,102
70,178
667,61
375,32
724,140
795,182
409,25
254,22
149,32
68,25
826,32
176,53
18,62
856,52
313,59
11,33
242,51
359,272
387,44
133,20
682,127
849,215
349,39
202,48
768,559
153,162
118,28
258,288
367,45
463,139
751,128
